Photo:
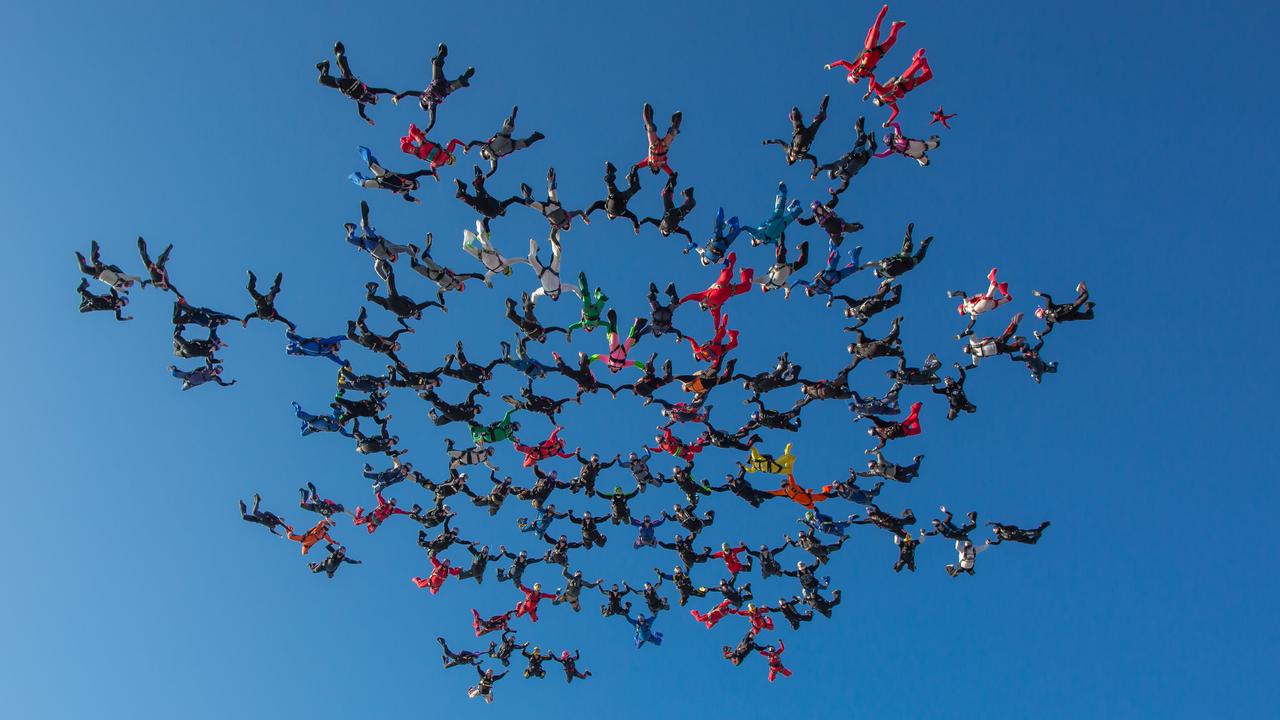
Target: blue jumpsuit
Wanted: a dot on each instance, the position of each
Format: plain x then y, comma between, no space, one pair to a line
644,630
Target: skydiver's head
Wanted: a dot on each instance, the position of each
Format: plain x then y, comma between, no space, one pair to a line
1040,313
799,564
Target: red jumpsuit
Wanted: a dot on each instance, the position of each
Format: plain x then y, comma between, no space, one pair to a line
723,288
529,605
775,661
759,617
440,571
676,447
898,87
493,624
864,65
911,424
374,518
417,145
549,448
730,557
656,159
715,349
714,615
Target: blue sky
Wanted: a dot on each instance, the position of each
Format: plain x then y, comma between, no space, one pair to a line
1127,145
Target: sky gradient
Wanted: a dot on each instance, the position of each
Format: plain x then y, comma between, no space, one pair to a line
1126,145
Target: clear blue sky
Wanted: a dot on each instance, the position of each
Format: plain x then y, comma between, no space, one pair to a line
1128,144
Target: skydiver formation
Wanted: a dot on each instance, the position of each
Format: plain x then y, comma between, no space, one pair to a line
775,475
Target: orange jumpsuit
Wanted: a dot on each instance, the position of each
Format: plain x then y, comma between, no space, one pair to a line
312,536
790,489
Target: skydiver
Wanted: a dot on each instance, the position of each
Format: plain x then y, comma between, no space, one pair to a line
383,251
156,269
776,277
975,305
888,346
957,401
896,143
198,348
265,304
864,64
863,309
723,233
773,229
110,275
659,147
430,97
402,306
825,217
897,87
1013,533
1030,356
948,529
265,518
359,333
615,201
201,375
879,467
501,144
312,502
802,136
845,167
898,265
1007,343
445,278
327,347
884,430
561,220
1053,313
673,215
348,84
334,560
383,179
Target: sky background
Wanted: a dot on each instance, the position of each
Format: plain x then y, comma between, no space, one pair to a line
1124,144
